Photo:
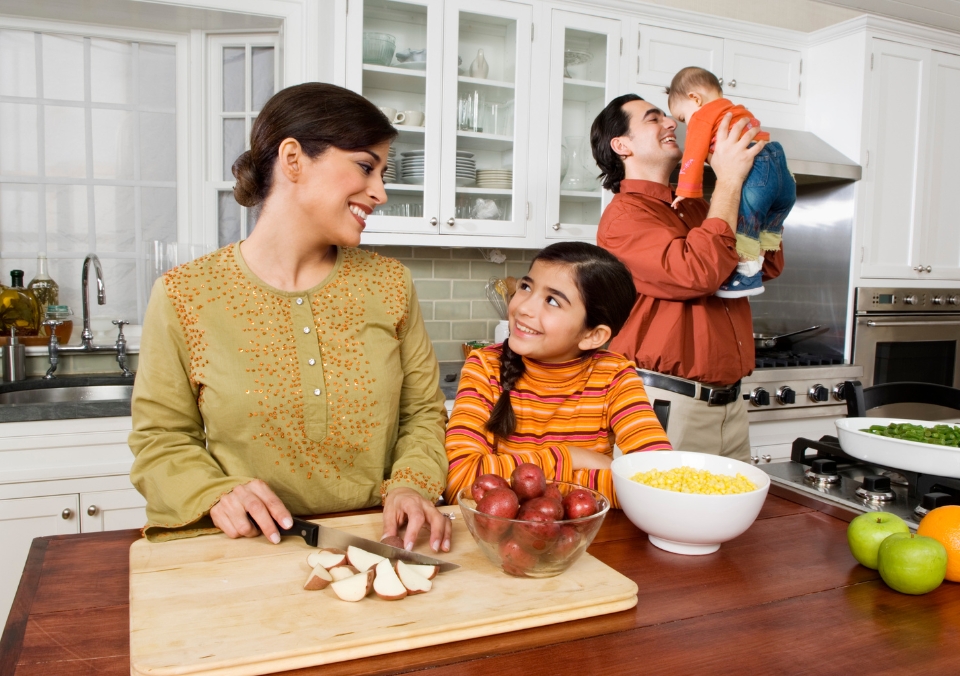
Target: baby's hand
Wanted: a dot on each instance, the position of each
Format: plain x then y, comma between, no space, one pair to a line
677,201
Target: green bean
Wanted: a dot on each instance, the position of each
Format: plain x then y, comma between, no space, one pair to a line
939,435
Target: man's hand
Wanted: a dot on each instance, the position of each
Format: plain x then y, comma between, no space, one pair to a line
257,500
732,161
406,506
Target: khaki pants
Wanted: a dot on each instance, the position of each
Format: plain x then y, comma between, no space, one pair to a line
695,426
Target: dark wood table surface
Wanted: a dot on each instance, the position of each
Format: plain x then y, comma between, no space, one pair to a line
784,598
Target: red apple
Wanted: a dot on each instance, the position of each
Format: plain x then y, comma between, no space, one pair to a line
528,481
548,507
580,503
484,483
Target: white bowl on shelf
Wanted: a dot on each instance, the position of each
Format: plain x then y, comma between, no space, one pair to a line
687,523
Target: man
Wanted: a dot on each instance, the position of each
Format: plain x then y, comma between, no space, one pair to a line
690,346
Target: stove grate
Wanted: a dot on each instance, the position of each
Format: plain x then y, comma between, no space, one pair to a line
766,360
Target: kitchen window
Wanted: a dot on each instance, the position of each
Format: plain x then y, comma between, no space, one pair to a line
244,73
90,154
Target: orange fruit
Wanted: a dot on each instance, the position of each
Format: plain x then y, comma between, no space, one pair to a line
943,525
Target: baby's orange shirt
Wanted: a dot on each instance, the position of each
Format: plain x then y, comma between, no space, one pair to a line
701,137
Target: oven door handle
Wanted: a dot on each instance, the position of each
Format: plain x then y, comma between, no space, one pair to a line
915,323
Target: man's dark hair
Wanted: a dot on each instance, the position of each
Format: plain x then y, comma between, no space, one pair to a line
612,122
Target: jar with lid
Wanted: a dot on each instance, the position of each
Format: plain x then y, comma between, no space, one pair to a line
18,307
60,313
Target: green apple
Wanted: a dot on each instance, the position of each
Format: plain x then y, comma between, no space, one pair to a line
867,531
911,563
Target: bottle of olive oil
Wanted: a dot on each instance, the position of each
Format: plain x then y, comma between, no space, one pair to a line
46,291
18,307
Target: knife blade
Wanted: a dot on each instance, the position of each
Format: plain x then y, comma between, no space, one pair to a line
323,537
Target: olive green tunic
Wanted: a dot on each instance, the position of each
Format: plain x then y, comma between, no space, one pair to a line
330,395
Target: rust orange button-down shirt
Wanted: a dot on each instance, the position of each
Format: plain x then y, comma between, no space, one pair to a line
678,258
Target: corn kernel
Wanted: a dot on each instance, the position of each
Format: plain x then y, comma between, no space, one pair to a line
690,480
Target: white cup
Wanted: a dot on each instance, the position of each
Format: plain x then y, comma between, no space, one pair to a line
388,112
412,118
501,332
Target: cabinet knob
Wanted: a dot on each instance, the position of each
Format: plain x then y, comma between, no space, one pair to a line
92,510
721,81
555,226
928,269
766,458
755,459
918,268
434,221
451,222
66,514
733,83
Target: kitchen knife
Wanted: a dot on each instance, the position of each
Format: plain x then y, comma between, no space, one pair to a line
323,537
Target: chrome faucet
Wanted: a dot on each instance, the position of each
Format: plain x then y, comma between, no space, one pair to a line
86,337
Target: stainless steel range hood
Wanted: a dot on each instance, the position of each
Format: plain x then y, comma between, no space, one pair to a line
809,157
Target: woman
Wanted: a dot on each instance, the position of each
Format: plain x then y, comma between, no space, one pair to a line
291,372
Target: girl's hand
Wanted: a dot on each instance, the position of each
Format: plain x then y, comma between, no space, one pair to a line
257,500
677,200
586,459
406,506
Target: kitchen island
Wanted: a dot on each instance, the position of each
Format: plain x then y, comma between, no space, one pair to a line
785,597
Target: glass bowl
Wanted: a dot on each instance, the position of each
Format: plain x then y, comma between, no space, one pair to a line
378,48
532,548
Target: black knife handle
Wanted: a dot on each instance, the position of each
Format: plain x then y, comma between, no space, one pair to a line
310,532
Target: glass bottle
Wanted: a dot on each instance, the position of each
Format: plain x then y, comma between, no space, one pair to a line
18,307
44,288
578,177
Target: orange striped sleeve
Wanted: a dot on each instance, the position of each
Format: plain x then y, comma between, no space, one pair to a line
631,416
471,449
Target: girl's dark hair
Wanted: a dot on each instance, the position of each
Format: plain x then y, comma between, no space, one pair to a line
608,294
316,114
612,122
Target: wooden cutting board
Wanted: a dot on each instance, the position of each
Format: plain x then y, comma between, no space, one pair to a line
211,605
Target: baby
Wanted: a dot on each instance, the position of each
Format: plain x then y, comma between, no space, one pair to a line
768,193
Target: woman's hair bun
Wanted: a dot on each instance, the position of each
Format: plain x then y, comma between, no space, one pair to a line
248,189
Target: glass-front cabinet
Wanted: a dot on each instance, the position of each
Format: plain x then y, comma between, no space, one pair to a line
455,78
584,76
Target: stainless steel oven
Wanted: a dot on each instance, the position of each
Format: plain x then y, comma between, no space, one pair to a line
907,334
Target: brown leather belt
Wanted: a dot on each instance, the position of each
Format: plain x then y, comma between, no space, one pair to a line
714,396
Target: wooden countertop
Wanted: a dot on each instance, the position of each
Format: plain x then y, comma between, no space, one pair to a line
785,597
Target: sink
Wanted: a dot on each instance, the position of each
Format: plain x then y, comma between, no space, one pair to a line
53,395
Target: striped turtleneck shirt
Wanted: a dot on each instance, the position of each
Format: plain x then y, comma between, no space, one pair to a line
592,402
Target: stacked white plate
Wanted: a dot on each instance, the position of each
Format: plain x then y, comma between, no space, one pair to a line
390,175
495,178
412,167
466,168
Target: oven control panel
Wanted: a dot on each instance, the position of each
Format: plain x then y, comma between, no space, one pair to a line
888,300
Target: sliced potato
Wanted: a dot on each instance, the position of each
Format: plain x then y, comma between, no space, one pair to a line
328,558
362,560
411,579
319,578
386,584
355,587
343,572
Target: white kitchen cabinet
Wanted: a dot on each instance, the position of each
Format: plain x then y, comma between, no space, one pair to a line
578,92
112,510
477,120
20,522
745,69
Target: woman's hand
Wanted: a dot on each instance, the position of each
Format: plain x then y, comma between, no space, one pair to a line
257,500
583,458
406,506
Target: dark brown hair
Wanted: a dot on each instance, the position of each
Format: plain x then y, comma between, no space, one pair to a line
689,80
613,121
608,294
318,116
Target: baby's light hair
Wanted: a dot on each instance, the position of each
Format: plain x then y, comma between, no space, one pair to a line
689,80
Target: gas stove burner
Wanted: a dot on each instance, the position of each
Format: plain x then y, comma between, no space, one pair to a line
876,489
822,471
781,359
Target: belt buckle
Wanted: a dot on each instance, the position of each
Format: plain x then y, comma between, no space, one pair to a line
722,397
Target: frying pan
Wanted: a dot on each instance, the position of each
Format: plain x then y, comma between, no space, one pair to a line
764,341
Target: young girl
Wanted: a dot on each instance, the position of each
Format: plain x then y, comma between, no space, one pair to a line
549,395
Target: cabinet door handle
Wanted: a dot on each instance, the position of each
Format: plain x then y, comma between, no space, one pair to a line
66,514
721,81
92,510
555,226
733,83
918,268
928,269
451,222
434,221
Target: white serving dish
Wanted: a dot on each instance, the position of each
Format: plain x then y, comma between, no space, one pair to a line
686,523
913,456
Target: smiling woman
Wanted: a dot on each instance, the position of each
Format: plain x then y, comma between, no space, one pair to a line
292,372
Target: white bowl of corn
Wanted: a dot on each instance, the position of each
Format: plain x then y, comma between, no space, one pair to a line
689,503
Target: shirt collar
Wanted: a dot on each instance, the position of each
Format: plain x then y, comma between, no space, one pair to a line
556,372
657,191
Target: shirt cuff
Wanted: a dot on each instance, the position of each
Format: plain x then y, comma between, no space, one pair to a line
718,226
424,484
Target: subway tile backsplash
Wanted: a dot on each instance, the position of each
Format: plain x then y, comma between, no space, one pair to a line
450,284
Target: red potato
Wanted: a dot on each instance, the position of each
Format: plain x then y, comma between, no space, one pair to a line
343,572
411,579
516,560
500,502
362,560
318,578
580,503
354,588
393,541
484,483
328,558
426,570
528,481
548,507
553,493
538,534
386,584
567,542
